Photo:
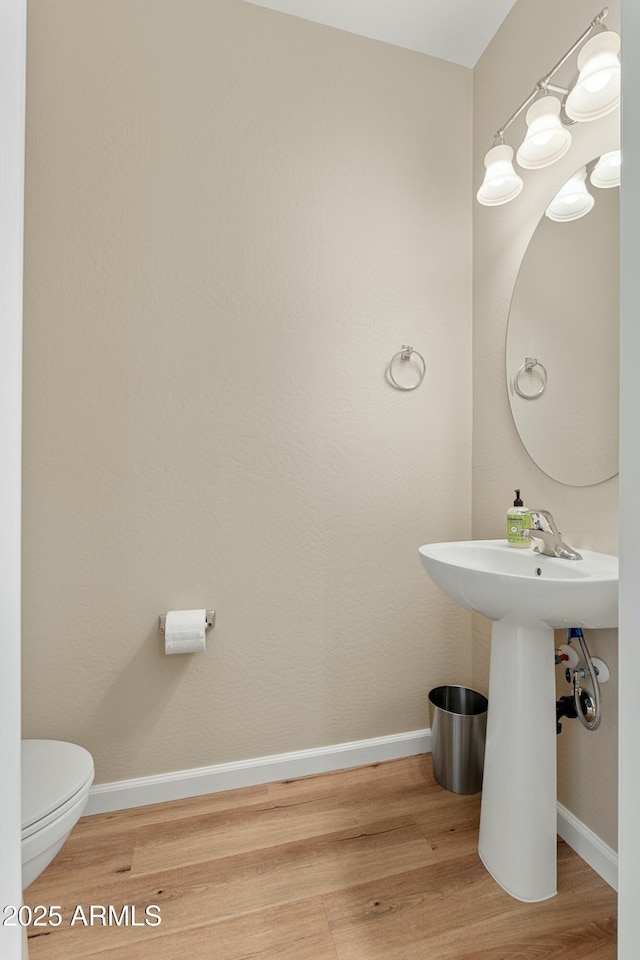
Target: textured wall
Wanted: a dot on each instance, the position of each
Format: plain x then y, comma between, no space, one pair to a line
534,37
234,219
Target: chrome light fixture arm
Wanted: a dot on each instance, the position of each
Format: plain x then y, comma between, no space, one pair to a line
549,116
544,84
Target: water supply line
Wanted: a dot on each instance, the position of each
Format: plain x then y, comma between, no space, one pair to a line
588,705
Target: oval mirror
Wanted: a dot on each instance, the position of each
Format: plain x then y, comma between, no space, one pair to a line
562,344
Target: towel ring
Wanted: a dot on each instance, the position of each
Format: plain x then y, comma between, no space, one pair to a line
527,367
405,354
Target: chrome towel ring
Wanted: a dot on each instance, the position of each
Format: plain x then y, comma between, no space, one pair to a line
527,367
405,355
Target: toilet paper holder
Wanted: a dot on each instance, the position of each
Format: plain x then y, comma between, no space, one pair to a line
209,620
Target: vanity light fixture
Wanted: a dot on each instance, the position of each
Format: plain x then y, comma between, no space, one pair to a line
501,182
546,140
572,200
596,93
606,172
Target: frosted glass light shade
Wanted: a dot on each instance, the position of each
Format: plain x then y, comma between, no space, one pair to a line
546,140
501,183
597,90
606,172
572,200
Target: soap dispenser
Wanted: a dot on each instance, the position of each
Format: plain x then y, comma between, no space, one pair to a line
518,519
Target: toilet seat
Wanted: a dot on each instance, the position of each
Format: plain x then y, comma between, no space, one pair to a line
55,776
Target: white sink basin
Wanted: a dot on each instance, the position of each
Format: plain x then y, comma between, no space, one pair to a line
527,595
496,580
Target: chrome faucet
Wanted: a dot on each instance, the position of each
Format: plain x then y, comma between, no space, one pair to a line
544,529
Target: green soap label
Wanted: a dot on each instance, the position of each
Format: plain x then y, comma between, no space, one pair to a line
516,523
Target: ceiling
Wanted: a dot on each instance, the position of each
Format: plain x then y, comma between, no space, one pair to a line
455,30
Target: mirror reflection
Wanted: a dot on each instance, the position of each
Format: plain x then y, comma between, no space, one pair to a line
562,335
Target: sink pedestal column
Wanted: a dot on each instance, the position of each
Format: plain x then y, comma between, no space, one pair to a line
518,818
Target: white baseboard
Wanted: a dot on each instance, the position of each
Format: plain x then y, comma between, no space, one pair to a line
182,784
589,846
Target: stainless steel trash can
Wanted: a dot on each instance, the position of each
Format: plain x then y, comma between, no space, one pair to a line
458,719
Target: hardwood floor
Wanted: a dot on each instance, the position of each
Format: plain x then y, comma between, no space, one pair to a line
376,863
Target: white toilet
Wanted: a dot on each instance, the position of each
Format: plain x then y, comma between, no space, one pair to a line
56,777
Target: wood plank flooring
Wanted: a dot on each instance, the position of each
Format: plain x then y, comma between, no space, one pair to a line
373,863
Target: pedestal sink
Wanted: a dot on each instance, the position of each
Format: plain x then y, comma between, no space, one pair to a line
527,595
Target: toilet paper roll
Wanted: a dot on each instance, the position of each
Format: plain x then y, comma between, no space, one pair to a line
184,631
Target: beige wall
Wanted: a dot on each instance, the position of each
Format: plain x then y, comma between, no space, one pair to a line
234,219
533,37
